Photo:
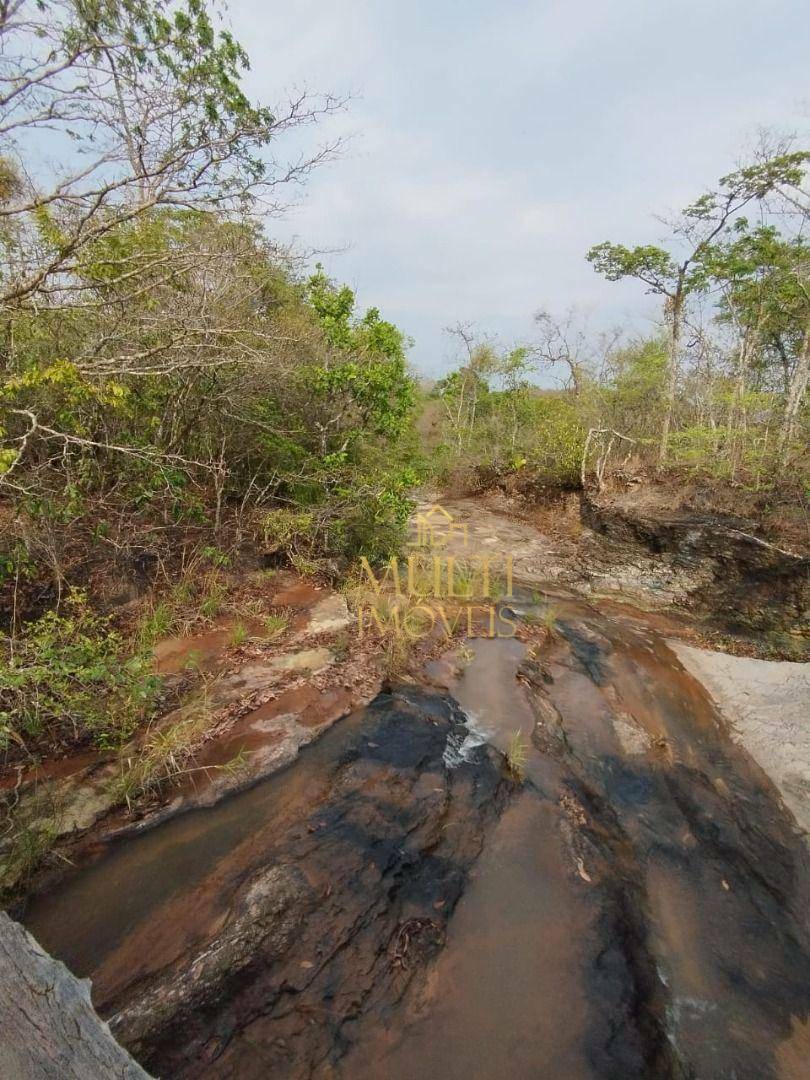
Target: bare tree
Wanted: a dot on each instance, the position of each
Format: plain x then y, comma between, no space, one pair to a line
563,342
141,104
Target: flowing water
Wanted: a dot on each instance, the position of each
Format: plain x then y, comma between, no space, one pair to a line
394,905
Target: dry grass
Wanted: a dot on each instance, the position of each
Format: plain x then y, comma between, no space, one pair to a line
516,755
276,624
165,753
28,833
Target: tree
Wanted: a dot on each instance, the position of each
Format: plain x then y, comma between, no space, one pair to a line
163,363
117,263
362,382
563,342
676,277
761,275
143,102
463,389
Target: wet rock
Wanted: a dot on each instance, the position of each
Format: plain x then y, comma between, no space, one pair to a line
266,916
633,739
535,673
340,909
590,648
263,741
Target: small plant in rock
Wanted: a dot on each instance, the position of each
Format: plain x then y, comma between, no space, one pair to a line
275,624
163,755
516,755
465,655
395,654
549,620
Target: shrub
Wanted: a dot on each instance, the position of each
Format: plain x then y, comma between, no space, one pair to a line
70,671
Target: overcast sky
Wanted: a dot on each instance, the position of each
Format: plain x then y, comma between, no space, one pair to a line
493,143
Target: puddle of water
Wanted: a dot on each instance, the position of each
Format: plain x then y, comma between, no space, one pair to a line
205,652
489,693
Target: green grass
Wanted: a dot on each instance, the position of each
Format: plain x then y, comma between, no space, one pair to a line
549,620
156,624
275,625
193,661
546,618
211,602
28,834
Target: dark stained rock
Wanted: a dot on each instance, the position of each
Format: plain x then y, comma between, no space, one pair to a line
327,925
707,563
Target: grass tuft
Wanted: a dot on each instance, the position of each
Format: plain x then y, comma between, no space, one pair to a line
517,754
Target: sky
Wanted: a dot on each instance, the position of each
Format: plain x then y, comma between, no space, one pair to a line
491,144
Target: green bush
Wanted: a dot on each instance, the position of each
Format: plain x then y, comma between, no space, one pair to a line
70,673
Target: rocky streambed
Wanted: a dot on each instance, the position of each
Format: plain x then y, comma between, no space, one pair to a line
553,858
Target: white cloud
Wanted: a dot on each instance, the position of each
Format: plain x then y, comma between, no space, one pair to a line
496,143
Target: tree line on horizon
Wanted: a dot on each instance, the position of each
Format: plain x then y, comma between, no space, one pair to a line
719,390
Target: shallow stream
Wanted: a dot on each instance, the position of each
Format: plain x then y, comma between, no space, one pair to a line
395,904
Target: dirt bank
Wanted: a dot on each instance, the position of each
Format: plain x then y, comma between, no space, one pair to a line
713,566
743,581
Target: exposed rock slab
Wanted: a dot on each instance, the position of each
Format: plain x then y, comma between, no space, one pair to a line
331,913
255,677
50,1029
699,561
767,706
328,616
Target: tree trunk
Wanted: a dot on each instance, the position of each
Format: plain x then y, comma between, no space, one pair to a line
50,1029
737,413
675,305
796,391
